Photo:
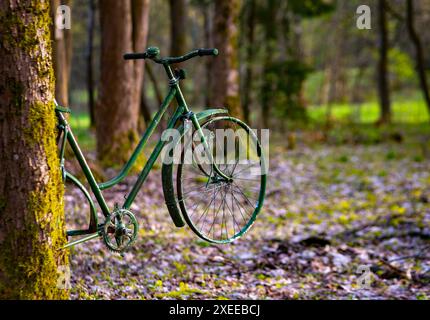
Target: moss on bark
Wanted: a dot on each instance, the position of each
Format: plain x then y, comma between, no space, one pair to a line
32,214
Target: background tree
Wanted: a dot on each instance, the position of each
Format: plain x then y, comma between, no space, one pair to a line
206,9
382,71
90,60
335,69
140,15
250,17
62,55
225,68
267,88
178,27
124,29
31,205
285,68
419,52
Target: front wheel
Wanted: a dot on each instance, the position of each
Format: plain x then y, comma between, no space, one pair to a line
216,209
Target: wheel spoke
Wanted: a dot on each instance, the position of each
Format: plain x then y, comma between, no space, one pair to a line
207,209
248,166
234,219
240,207
245,197
216,215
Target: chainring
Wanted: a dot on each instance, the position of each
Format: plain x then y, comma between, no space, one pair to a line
120,230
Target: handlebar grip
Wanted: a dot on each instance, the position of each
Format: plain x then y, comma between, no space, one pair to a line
135,56
208,52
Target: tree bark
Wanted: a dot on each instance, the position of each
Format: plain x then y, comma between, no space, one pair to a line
419,54
140,10
156,87
250,52
31,189
144,108
225,68
90,60
267,87
206,8
145,111
124,26
207,21
62,55
383,81
178,27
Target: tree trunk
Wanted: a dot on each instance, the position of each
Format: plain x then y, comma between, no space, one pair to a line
145,111
250,52
383,82
206,8
156,87
62,55
31,189
117,114
178,27
267,87
90,60
421,69
226,87
335,63
140,10
144,108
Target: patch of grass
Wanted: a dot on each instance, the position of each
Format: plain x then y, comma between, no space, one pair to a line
344,159
180,267
183,291
391,155
80,124
405,110
203,244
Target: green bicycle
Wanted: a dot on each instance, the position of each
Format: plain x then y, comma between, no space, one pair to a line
219,200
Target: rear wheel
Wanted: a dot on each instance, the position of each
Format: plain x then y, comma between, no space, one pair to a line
216,209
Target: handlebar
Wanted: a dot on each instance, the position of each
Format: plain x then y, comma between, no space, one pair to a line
135,56
153,53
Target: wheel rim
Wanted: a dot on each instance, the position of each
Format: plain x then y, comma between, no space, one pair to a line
216,210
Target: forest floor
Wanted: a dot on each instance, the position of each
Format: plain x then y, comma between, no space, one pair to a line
341,221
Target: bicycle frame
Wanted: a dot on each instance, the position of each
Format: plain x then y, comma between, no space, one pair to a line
94,229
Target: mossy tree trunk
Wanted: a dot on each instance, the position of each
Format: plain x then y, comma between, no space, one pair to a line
31,191
225,68
124,30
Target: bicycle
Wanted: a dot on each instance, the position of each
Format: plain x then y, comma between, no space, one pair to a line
195,192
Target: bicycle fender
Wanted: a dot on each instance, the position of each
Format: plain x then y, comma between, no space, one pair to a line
167,170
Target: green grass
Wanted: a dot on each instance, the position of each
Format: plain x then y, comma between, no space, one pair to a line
408,113
80,123
404,111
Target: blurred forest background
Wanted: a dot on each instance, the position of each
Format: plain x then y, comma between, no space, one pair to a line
348,109
299,63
